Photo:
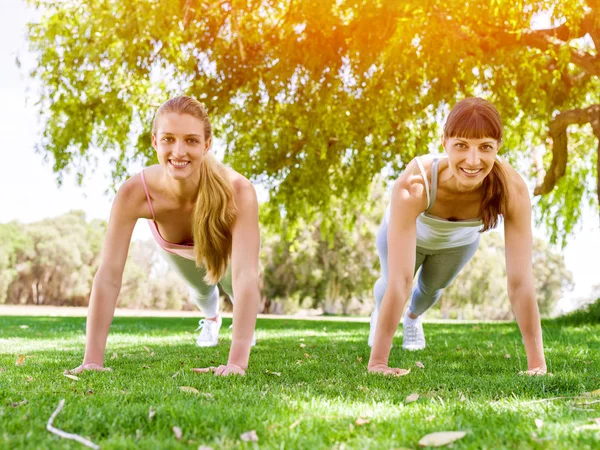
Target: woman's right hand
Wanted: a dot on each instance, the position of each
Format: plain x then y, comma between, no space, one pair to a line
89,366
385,370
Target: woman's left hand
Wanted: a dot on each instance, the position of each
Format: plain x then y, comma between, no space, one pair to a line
536,371
223,370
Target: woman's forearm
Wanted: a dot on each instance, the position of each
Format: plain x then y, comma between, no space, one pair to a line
245,310
528,318
390,313
101,310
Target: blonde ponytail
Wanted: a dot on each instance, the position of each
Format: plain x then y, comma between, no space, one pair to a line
215,210
212,220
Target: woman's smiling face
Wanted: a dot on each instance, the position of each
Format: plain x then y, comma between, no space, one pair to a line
180,144
471,160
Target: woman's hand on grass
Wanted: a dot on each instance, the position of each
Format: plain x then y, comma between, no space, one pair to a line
536,371
88,366
385,370
223,370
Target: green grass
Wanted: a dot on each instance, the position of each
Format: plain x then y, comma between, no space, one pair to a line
467,384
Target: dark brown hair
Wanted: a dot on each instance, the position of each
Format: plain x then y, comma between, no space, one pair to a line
476,118
215,209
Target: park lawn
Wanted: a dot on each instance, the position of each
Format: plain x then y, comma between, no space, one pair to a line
305,389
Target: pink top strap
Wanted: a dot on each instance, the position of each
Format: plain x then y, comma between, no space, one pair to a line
148,195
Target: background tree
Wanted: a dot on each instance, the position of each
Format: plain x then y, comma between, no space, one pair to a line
58,261
324,266
480,290
315,97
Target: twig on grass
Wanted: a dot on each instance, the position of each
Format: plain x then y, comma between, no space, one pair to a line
550,399
65,435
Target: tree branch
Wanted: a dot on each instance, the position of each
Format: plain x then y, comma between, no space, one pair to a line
558,133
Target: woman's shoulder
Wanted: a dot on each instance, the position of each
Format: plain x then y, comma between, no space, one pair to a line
132,193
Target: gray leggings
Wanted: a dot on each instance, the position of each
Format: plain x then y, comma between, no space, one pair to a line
439,268
204,295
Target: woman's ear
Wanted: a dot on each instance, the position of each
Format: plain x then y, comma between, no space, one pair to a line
207,144
154,141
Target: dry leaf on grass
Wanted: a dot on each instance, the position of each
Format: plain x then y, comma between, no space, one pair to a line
204,447
17,404
146,366
23,327
539,423
595,393
152,354
296,423
175,374
177,433
190,389
306,355
507,356
412,398
441,438
205,369
462,397
147,349
420,365
302,345
114,356
430,418
249,436
402,372
359,359
63,434
29,379
360,421
151,413
20,360
72,377
2,369
273,373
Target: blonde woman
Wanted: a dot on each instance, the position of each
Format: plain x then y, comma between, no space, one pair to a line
203,215
439,208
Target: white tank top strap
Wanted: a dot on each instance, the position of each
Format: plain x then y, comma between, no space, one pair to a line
424,175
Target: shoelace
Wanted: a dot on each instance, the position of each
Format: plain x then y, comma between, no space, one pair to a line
412,333
201,324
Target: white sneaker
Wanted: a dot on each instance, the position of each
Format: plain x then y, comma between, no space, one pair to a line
209,334
253,343
414,337
372,327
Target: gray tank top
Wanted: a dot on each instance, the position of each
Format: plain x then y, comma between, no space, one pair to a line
434,233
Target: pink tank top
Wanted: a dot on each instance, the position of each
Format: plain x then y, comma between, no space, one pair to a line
183,250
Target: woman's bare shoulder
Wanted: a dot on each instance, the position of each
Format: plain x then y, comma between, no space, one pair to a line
131,196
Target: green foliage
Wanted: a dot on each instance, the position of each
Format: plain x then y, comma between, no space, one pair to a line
54,260
480,292
313,98
589,314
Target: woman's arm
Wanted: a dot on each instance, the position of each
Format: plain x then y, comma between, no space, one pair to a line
521,292
107,281
408,201
244,267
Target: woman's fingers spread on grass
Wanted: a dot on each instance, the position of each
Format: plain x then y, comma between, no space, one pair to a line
83,367
230,369
385,370
538,371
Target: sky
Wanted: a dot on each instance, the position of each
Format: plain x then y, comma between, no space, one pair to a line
30,191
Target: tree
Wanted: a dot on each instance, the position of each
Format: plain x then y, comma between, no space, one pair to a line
321,268
316,97
480,290
58,261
